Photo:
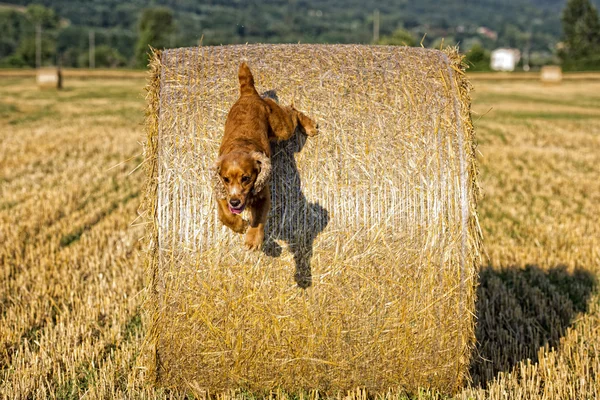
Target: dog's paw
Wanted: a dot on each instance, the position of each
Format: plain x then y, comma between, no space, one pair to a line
310,127
240,225
312,130
254,239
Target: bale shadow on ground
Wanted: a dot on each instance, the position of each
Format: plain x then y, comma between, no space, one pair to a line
521,310
292,218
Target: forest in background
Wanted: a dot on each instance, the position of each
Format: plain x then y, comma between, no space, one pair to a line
121,31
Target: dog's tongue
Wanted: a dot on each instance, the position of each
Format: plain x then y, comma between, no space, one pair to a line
236,210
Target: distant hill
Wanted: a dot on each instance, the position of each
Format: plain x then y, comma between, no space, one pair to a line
534,24
226,21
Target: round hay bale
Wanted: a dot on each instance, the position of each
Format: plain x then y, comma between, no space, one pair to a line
49,78
367,275
551,74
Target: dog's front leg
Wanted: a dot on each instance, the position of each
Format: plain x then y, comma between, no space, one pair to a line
310,127
259,212
234,222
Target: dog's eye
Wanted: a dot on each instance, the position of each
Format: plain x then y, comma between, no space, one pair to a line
245,179
226,180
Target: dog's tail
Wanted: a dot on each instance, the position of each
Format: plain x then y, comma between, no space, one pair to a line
246,80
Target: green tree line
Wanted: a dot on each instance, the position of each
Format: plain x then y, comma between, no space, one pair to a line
122,31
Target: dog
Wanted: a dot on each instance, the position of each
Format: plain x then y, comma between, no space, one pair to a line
243,168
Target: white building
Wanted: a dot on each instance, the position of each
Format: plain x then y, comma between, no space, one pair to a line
505,59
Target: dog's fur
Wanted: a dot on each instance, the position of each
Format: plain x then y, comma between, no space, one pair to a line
242,171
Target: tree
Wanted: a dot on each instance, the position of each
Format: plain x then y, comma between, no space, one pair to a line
27,51
478,58
400,37
154,29
13,25
17,42
44,21
581,35
45,17
105,56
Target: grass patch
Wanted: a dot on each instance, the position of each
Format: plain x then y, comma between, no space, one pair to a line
8,205
487,133
7,109
34,116
73,388
106,93
495,98
6,82
123,112
74,236
550,116
133,326
32,335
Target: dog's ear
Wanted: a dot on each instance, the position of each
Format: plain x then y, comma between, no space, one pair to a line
264,165
217,183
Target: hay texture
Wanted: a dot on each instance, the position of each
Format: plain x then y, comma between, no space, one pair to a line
367,275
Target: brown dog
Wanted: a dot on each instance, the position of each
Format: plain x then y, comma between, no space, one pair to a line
241,174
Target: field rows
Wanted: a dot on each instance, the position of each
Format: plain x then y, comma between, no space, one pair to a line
70,274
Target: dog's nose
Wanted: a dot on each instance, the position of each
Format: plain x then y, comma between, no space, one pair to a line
234,202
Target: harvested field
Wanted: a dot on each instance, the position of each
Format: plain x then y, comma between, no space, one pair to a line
71,273
79,73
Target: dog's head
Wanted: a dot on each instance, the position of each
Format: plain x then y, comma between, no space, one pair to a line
239,175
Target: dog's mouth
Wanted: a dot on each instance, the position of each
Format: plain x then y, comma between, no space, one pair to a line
236,210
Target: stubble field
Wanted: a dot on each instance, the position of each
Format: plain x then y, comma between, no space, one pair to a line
71,263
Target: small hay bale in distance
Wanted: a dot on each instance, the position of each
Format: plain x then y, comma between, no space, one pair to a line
368,272
551,74
49,78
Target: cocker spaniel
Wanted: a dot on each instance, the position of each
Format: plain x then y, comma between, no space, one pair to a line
242,171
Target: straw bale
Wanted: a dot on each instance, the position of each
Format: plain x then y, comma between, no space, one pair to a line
551,74
368,272
49,78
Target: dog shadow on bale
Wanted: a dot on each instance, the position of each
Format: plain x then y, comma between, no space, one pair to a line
521,310
292,218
